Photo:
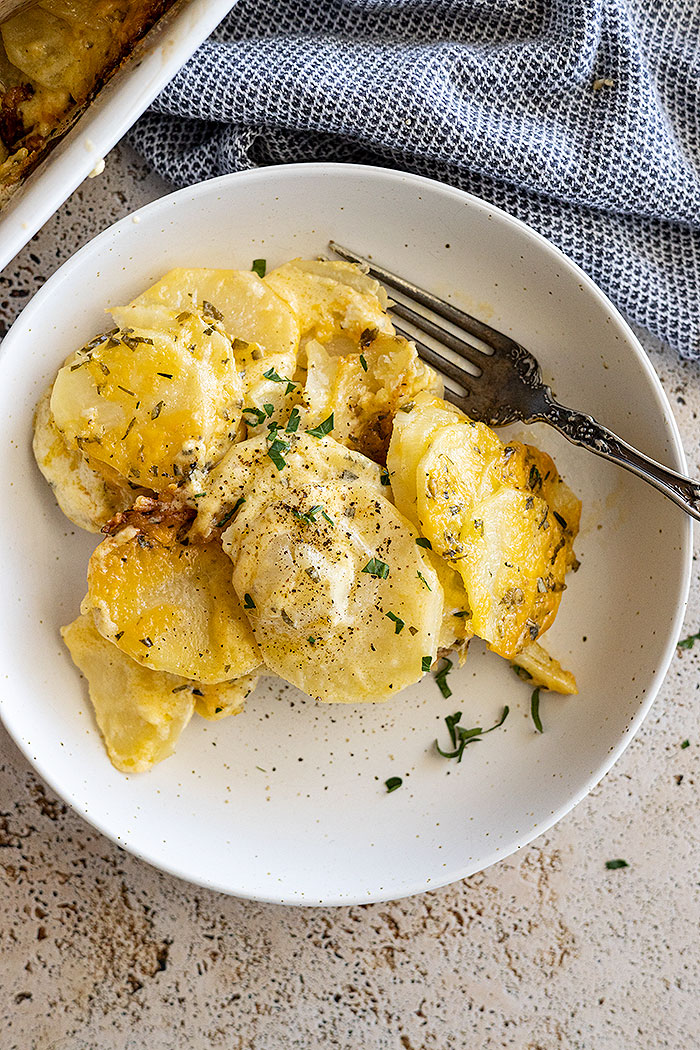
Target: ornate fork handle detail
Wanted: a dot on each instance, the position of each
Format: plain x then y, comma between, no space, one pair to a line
583,430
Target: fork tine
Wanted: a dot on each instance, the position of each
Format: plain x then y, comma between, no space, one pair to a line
428,327
437,361
472,325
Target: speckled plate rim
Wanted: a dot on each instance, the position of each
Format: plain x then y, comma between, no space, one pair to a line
519,840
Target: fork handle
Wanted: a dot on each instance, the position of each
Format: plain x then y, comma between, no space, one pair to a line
585,431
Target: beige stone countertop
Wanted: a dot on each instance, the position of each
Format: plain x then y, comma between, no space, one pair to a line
548,949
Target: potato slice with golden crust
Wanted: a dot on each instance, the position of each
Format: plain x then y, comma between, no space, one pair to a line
411,435
365,389
341,601
157,402
490,510
246,307
84,494
140,712
169,604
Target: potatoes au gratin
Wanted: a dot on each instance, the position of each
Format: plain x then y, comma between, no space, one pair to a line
284,490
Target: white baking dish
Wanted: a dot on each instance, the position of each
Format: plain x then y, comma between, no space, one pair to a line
153,62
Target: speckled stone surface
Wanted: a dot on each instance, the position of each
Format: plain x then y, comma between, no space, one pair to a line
546,950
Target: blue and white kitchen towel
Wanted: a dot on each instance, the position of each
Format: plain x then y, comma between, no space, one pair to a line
581,117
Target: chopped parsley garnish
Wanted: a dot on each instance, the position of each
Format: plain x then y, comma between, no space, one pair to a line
165,375
126,391
272,374
310,515
685,744
323,428
422,542
259,266
311,640
441,678
562,521
275,453
535,710
368,336
422,578
408,407
156,410
128,429
146,641
689,642
179,688
258,416
211,311
384,477
269,409
363,362
426,663
392,784
398,622
535,478
461,737
290,386
613,865
522,673
248,602
229,514
293,421
378,568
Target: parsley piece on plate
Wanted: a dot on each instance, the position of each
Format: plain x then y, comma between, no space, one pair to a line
613,865
535,710
392,784
461,737
259,266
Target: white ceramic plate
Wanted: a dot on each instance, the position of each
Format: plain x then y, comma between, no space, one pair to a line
286,802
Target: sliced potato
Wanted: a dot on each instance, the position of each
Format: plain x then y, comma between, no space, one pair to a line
340,599
223,699
365,389
46,49
496,526
334,302
84,495
158,402
541,669
140,712
249,464
169,604
411,435
247,307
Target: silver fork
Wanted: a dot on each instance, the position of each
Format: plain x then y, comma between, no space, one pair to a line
508,386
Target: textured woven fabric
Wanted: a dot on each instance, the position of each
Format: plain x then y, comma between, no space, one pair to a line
581,117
